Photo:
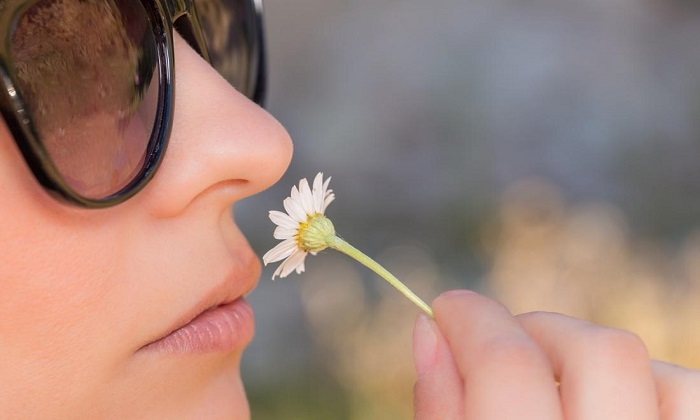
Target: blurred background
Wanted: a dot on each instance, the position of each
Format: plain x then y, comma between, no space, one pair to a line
545,153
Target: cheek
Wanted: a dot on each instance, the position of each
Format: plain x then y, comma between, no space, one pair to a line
58,298
54,265
50,285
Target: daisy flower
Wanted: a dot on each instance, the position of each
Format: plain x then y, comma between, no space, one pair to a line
305,209
304,229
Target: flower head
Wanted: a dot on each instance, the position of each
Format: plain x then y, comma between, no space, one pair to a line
303,228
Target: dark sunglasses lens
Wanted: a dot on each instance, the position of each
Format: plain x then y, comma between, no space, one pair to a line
86,69
232,32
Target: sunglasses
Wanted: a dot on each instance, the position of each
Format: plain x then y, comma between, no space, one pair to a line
88,84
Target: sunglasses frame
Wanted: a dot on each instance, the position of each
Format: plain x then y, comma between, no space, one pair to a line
162,14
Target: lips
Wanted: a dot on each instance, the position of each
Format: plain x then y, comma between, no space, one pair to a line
224,328
222,321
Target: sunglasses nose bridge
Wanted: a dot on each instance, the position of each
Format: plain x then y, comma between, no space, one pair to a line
183,16
178,8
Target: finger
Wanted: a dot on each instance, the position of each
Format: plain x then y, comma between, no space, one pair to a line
678,390
438,390
505,374
604,373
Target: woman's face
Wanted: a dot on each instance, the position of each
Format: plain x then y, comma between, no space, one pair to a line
90,298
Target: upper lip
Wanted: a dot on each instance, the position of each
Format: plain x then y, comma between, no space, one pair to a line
240,281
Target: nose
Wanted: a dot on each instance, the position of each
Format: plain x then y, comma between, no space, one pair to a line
222,146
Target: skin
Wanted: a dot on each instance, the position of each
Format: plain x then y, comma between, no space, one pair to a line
477,361
78,284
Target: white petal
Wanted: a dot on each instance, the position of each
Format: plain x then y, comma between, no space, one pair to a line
307,199
328,195
317,193
295,194
277,272
283,219
291,263
328,200
281,251
296,198
296,261
294,209
327,192
282,232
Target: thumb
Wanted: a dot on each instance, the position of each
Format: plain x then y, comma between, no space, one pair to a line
439,391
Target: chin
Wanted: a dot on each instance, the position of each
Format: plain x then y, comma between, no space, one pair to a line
196,388
223,399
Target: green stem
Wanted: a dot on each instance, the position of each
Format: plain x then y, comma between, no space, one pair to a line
344,247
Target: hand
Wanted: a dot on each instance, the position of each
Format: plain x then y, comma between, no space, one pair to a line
477,361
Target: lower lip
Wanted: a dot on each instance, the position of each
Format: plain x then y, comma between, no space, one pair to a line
222,329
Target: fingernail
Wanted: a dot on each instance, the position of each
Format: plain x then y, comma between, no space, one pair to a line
424,345
458,292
